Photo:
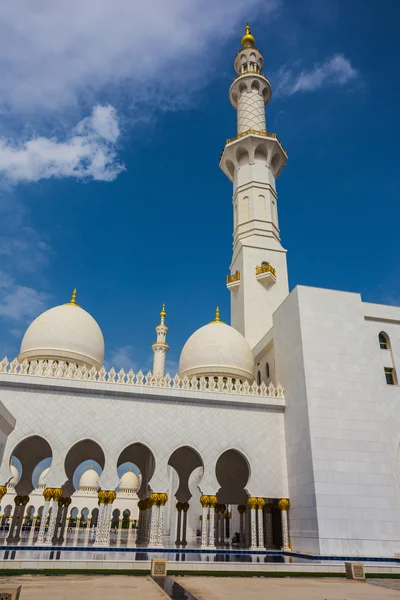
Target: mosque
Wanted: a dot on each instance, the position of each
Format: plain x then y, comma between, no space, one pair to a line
281,430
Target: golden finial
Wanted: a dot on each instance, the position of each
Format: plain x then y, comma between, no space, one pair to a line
163,313
217,319
91,467
130,468
11,462
248,40
72,302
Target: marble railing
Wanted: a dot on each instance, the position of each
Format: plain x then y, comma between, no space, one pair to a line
63,370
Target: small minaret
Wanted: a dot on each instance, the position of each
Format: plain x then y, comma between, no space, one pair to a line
252,160
160,347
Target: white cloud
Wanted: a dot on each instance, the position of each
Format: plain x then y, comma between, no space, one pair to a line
54,53
88,152
336,70
18,302
121,358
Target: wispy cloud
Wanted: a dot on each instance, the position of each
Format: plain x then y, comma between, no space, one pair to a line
53,54
18,302
122,358
88,152
334,71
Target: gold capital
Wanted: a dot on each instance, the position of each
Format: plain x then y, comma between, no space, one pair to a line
213,501
204,501
252,502
3,491
283,504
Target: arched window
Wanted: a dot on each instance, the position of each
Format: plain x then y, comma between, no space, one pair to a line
258,378
267,370
384,341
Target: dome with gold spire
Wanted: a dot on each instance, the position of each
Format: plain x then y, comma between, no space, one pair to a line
248,39
65,332
217,349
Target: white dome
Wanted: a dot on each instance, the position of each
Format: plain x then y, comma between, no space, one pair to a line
65,332
129,481
89,479
217,350
15,475
43,474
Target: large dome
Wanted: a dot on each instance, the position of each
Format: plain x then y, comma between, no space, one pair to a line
129,481
65,332
89,480
217,350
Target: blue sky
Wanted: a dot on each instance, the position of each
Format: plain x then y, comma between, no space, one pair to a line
113,116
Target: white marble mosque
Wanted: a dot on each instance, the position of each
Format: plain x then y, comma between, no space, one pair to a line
280,431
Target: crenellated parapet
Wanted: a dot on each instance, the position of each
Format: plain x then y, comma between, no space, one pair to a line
62,370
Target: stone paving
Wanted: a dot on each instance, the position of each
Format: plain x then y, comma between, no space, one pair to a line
63,587
254,588
120,587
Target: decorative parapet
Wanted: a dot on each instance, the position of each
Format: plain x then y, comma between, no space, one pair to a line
233,281
266,273
62,370
255,132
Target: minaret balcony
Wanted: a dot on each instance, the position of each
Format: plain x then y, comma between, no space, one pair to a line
233,281
265,273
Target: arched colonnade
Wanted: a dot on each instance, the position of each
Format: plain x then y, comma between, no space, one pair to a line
181,514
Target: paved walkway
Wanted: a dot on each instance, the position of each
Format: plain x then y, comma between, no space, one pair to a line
254,588
120,587
63,587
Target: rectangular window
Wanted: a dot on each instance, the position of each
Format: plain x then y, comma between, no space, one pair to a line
390,376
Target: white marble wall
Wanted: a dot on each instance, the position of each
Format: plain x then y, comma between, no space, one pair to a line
342,422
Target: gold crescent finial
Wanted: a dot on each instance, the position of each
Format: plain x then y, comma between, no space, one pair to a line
73,302
91,467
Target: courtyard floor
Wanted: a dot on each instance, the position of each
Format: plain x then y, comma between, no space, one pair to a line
35,587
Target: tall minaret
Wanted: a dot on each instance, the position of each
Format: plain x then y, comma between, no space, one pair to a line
160,347
252,160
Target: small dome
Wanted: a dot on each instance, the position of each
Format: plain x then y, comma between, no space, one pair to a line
42,482
89,480
217,350
65,332
129,481
248,40
15,475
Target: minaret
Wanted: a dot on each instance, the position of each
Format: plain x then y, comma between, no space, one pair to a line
252,160
160,347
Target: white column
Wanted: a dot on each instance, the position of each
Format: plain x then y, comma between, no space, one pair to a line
213,502
252,502
99,526
119,532
45,513
76,531
222,529
57,495
153,525
32,531
178,523
87,531
185,509
204,521
268,515
65,542
241,509
260,505
130,535
107,524
283,506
